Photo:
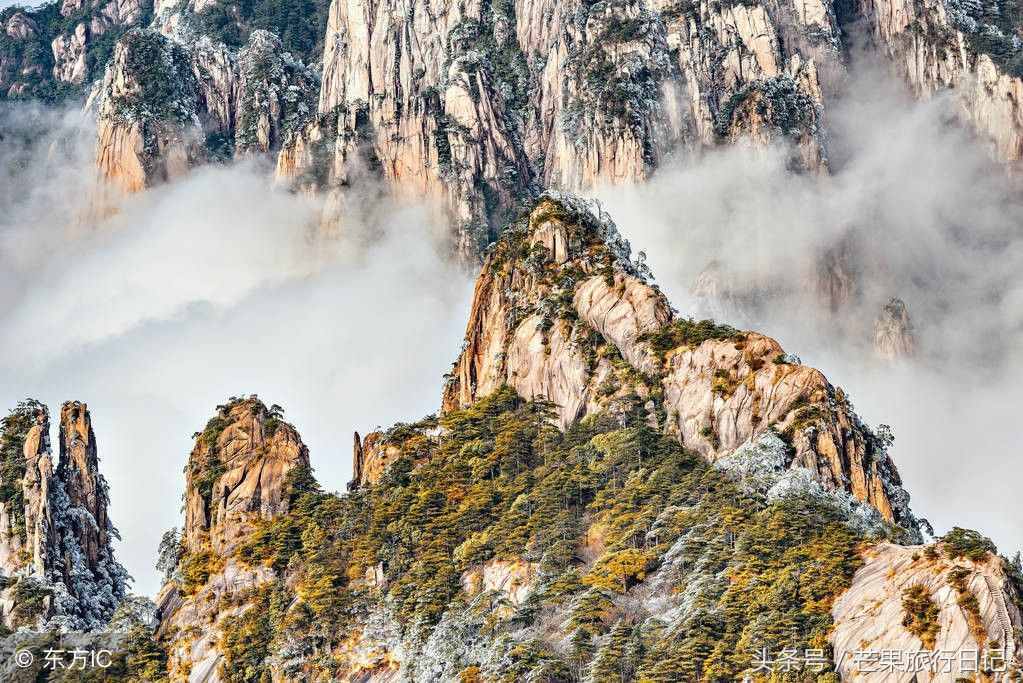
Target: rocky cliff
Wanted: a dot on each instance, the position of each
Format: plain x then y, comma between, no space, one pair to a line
25,518
148,127
939,598
55,51
238,473
567,517
561,312
56,554
163,107
20,61
475,106
241,473
370,459
478,105
972,49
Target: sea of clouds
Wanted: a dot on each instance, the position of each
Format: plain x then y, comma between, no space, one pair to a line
223,284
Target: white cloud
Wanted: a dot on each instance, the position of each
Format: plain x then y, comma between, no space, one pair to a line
924,216
215,287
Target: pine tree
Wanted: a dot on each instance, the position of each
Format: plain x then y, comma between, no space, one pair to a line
612,663
591,610
581,652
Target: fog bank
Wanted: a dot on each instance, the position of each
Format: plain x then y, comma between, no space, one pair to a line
212,287
916,210
219,285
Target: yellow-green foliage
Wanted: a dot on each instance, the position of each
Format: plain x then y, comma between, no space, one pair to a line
920,614
144,660
967,543
783,564
246,640
618,570
723,383
196,568
502,483
959,579
139,658
687,332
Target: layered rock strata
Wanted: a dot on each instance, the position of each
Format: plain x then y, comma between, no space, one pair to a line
975,613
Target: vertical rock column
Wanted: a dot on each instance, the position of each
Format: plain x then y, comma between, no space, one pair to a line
79,472
24,531
36,490
89,582
238,474
55,533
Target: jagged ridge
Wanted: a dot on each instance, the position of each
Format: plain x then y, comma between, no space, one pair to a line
561,312
539,528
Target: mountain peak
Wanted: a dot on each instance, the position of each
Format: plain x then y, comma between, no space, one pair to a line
238,473
560,311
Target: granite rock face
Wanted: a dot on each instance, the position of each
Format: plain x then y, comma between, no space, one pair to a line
478,105
69,56
371,457
975,604
24,529
970,49
56,553
18,65
164,107
893,332
147,134
238,474
561,312
193,622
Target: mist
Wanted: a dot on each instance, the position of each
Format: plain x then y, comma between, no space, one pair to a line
218,285
916,210
211,287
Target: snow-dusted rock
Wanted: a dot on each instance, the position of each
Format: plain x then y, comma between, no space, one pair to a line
148,126
165,107
62,549
939,46
869,617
